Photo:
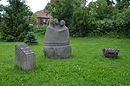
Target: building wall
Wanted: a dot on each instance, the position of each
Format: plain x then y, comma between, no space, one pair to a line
42,21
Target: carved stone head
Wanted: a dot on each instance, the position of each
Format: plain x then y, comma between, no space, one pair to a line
56,21
62,23
56,24
51,23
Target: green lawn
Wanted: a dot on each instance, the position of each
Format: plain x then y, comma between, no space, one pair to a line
86,66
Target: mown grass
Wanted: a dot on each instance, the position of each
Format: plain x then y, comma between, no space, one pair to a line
86,66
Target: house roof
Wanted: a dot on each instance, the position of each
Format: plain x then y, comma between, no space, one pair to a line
42,14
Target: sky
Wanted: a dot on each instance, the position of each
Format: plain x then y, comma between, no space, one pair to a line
35,5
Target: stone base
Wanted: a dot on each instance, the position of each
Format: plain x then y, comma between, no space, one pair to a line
57,51
24,57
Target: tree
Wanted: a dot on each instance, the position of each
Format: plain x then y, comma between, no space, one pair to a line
33,19
60,9
80,22
121,4
110,2
82,19
63,9
99,9
1,6
74,12
16,19
70,11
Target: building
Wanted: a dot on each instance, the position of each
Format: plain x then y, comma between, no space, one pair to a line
42,17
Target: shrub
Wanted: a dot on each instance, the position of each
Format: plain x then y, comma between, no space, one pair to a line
30,38
96,33
112,28
40,29
115,35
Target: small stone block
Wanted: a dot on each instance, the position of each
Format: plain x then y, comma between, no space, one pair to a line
24,57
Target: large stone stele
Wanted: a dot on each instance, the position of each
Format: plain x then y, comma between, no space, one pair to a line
56,42
24,57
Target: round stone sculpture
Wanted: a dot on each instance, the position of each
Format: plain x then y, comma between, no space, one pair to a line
56,42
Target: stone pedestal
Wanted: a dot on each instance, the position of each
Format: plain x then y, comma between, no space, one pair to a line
56,42
24,57
57,51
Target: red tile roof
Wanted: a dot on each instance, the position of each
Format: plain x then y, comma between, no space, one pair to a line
42,14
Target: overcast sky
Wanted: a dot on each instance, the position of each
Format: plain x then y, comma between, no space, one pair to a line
35,5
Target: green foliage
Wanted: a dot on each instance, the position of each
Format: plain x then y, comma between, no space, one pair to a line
106,25
79,26
115,35
30,38
99,18
1,8
33,19
121,4
76,17
99,9
110,28
96,33
118,26
16,20
110,2
40,29
61,9
80,19
123,21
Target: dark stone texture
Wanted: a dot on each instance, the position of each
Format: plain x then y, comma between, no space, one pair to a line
24,57
56,42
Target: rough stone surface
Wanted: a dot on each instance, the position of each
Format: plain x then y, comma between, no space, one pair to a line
24,57
56,42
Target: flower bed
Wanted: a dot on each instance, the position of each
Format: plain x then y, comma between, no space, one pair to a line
110,52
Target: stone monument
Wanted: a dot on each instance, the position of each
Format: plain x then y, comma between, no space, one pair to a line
56,42
24,57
